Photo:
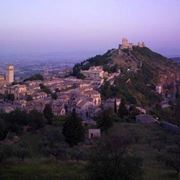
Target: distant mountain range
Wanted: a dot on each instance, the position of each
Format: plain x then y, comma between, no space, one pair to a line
176,59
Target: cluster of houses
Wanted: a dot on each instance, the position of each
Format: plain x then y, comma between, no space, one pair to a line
71,93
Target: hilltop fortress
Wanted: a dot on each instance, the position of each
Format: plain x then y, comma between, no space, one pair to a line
126,45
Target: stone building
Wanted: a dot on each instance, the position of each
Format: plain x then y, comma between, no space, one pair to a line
126,45
94,133
10,74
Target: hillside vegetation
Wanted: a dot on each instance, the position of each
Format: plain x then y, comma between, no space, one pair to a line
148,143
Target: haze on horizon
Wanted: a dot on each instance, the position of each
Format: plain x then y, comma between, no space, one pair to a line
82,28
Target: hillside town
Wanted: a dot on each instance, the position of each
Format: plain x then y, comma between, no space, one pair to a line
90,90
129,96
67,92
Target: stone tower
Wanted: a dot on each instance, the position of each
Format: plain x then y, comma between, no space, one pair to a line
10,74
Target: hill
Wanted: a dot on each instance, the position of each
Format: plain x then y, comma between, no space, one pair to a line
142,68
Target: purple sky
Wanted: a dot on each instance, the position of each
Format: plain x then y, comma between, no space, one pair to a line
86,27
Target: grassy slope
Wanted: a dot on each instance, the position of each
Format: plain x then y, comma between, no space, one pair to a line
44,168
144,148
37,166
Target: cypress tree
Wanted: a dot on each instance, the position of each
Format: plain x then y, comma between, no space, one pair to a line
115,106
48,114
73,130
122,111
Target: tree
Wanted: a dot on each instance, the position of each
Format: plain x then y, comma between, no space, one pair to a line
77,71
29,98
3,129
9,97
54,96
45,89
110,159
35,78
133,112
66,108
106,90
80,76
177,95
6,152
73,130
16,120
48,114
122,111
172,159
115,106
177,111
22,151
158,145
36,119
51,142
20,117
1,96
105,119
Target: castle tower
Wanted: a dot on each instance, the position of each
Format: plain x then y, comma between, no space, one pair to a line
10,74
139,44
143,44
125,44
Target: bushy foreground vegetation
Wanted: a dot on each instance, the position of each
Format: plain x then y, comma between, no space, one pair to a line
125,151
